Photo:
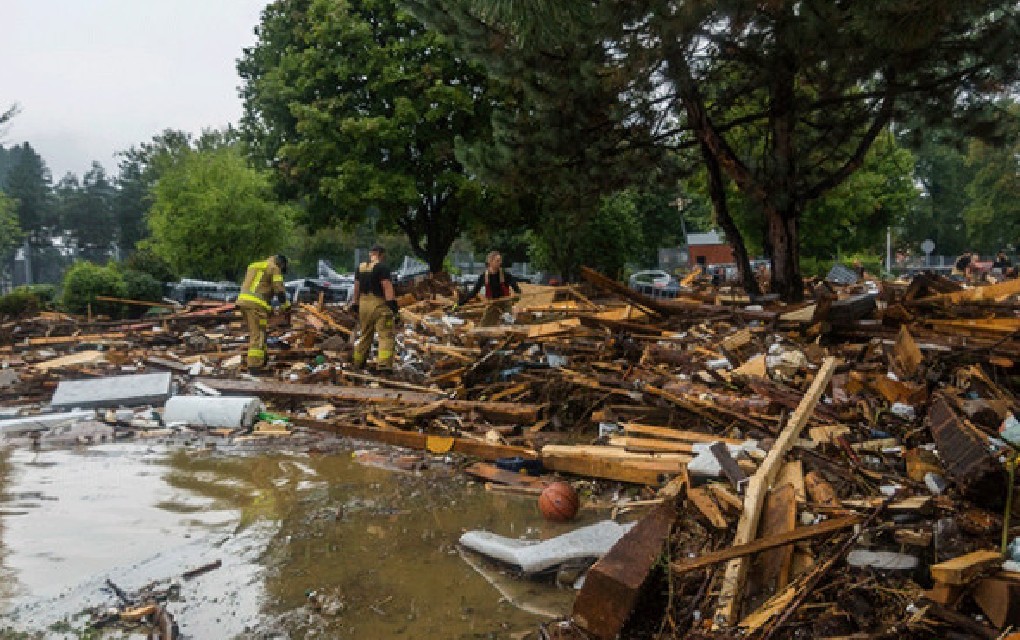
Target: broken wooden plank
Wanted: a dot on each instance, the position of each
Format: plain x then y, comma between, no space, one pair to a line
732,588
779,517
613,584
612,463
999,599
997,292
764,544
705,503
821,491
906,354
78,359
669,433
963,569
415,440
511,411
492,473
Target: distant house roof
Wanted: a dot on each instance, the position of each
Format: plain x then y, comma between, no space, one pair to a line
712,237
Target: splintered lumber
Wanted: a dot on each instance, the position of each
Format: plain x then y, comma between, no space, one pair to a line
703,500
963,569
998,599
608,284
72,360
651,444
613,584
668,433
732,588
91,337
764,544
166,363
492,473
511,411
612,463
997,292
906,353
821,491
414,440
780,516
138,303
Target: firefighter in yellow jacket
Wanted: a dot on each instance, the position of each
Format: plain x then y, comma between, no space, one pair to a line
374,302
262,288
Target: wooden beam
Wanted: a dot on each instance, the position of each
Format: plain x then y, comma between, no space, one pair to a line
612,463
512,411
415,440
961,570
732,589
613,584
764,544
669,433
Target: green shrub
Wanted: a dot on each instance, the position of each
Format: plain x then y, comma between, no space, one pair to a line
20,302
139,285
46,293
146,261
85,280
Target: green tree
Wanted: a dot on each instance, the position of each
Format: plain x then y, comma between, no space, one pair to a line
28,181
139,168
993,215
10,230
786,98
358,106
86,213
610,240
943,174
212,214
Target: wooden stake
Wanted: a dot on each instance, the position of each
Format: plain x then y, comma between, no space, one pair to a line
732,589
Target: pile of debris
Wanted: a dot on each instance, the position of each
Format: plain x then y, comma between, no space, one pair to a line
837,469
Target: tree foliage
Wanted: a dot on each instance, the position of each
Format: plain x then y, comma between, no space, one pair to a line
784,99
86,213
993,214
10,230
212,214
84,281
358,107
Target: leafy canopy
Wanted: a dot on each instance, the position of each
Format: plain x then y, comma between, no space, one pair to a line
358,107
212,214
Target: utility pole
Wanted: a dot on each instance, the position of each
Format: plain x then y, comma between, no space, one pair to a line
888,249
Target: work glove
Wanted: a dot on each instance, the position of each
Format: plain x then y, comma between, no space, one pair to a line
392,304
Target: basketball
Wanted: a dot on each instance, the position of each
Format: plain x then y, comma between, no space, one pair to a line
558,502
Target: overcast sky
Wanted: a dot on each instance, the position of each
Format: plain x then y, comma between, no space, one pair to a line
94,77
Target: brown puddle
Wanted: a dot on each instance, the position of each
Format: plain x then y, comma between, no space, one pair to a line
311,544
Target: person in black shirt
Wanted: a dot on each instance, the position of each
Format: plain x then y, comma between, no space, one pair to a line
376,306
497,283
961,268
1003,265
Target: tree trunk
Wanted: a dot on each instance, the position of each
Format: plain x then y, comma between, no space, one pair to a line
717,192
782,234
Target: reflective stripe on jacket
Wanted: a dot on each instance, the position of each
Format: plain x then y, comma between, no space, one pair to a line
262,279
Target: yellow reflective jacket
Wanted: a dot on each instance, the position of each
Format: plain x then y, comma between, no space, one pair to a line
262,279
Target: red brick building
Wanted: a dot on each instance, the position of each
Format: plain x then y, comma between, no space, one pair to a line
708,248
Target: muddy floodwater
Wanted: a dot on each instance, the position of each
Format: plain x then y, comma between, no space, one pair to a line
311,544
